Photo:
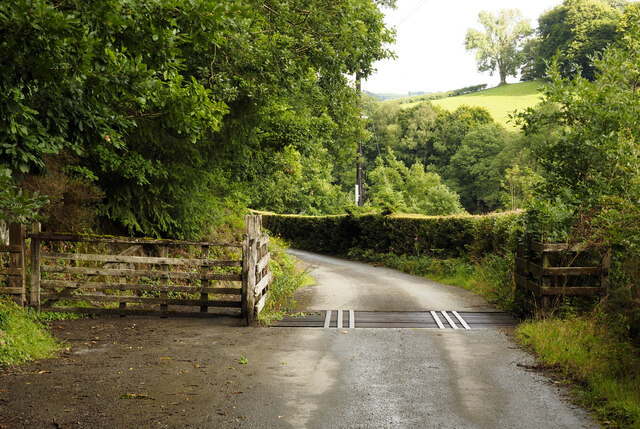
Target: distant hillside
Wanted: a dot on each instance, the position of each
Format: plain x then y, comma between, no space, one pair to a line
392,96
499,101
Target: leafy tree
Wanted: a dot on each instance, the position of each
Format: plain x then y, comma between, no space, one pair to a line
576,30
591,167
300,185
106,81
517,186
17,205
289,86
478,167
173,107
499,46
411,190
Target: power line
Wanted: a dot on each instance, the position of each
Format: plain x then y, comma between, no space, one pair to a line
375,135
410,14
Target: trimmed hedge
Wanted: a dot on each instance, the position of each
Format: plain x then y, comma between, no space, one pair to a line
441,236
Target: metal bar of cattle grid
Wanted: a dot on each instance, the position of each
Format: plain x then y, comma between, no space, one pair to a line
446,316
339,326
352,319
437,319
327,318
466,326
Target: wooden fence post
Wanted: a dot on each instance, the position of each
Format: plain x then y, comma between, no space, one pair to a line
253,229
204,283
164,282
545,283
16,262
34,299
605,264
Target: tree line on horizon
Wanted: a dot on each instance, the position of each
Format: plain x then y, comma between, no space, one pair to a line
575,32
483,166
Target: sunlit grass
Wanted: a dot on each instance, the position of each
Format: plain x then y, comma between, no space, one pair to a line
500,101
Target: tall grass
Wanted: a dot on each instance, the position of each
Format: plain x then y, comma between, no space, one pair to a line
590,353
22,337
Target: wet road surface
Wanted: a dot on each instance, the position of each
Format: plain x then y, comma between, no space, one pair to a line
190,372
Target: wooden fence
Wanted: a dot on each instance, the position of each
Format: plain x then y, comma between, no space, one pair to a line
12,269
133,276
546,271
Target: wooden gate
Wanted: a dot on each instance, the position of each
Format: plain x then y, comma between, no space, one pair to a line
133,276
12,269
546,271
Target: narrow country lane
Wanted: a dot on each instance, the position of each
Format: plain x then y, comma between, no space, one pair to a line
343,284
191,373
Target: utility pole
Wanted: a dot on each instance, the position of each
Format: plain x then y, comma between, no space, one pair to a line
359,156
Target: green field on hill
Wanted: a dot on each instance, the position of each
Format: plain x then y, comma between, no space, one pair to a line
499,101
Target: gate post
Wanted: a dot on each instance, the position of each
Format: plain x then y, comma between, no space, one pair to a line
17,280
34,298
253,229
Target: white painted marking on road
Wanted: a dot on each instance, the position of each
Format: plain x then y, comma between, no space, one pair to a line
352,319
446,316
455,313
327,318
339,319
437,319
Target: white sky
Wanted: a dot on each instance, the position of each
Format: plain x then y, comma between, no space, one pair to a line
430,44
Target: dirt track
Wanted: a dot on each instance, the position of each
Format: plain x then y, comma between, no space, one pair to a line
165,361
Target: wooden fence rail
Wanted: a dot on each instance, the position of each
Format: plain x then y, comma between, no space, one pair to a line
544,272
93,274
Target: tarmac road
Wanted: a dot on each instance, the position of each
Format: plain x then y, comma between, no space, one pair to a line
413,377
190,373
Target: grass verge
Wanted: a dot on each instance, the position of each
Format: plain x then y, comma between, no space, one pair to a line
22,337
588,352
288,277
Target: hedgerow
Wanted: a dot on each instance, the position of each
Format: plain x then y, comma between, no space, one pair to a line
438,236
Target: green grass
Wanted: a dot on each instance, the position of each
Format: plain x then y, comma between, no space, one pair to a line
500,101
588,352
22,337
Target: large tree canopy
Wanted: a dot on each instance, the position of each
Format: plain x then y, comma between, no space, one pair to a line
592,166
498,47
576,30
171,107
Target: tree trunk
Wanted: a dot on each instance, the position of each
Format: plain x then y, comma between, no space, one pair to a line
503,77
502,70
